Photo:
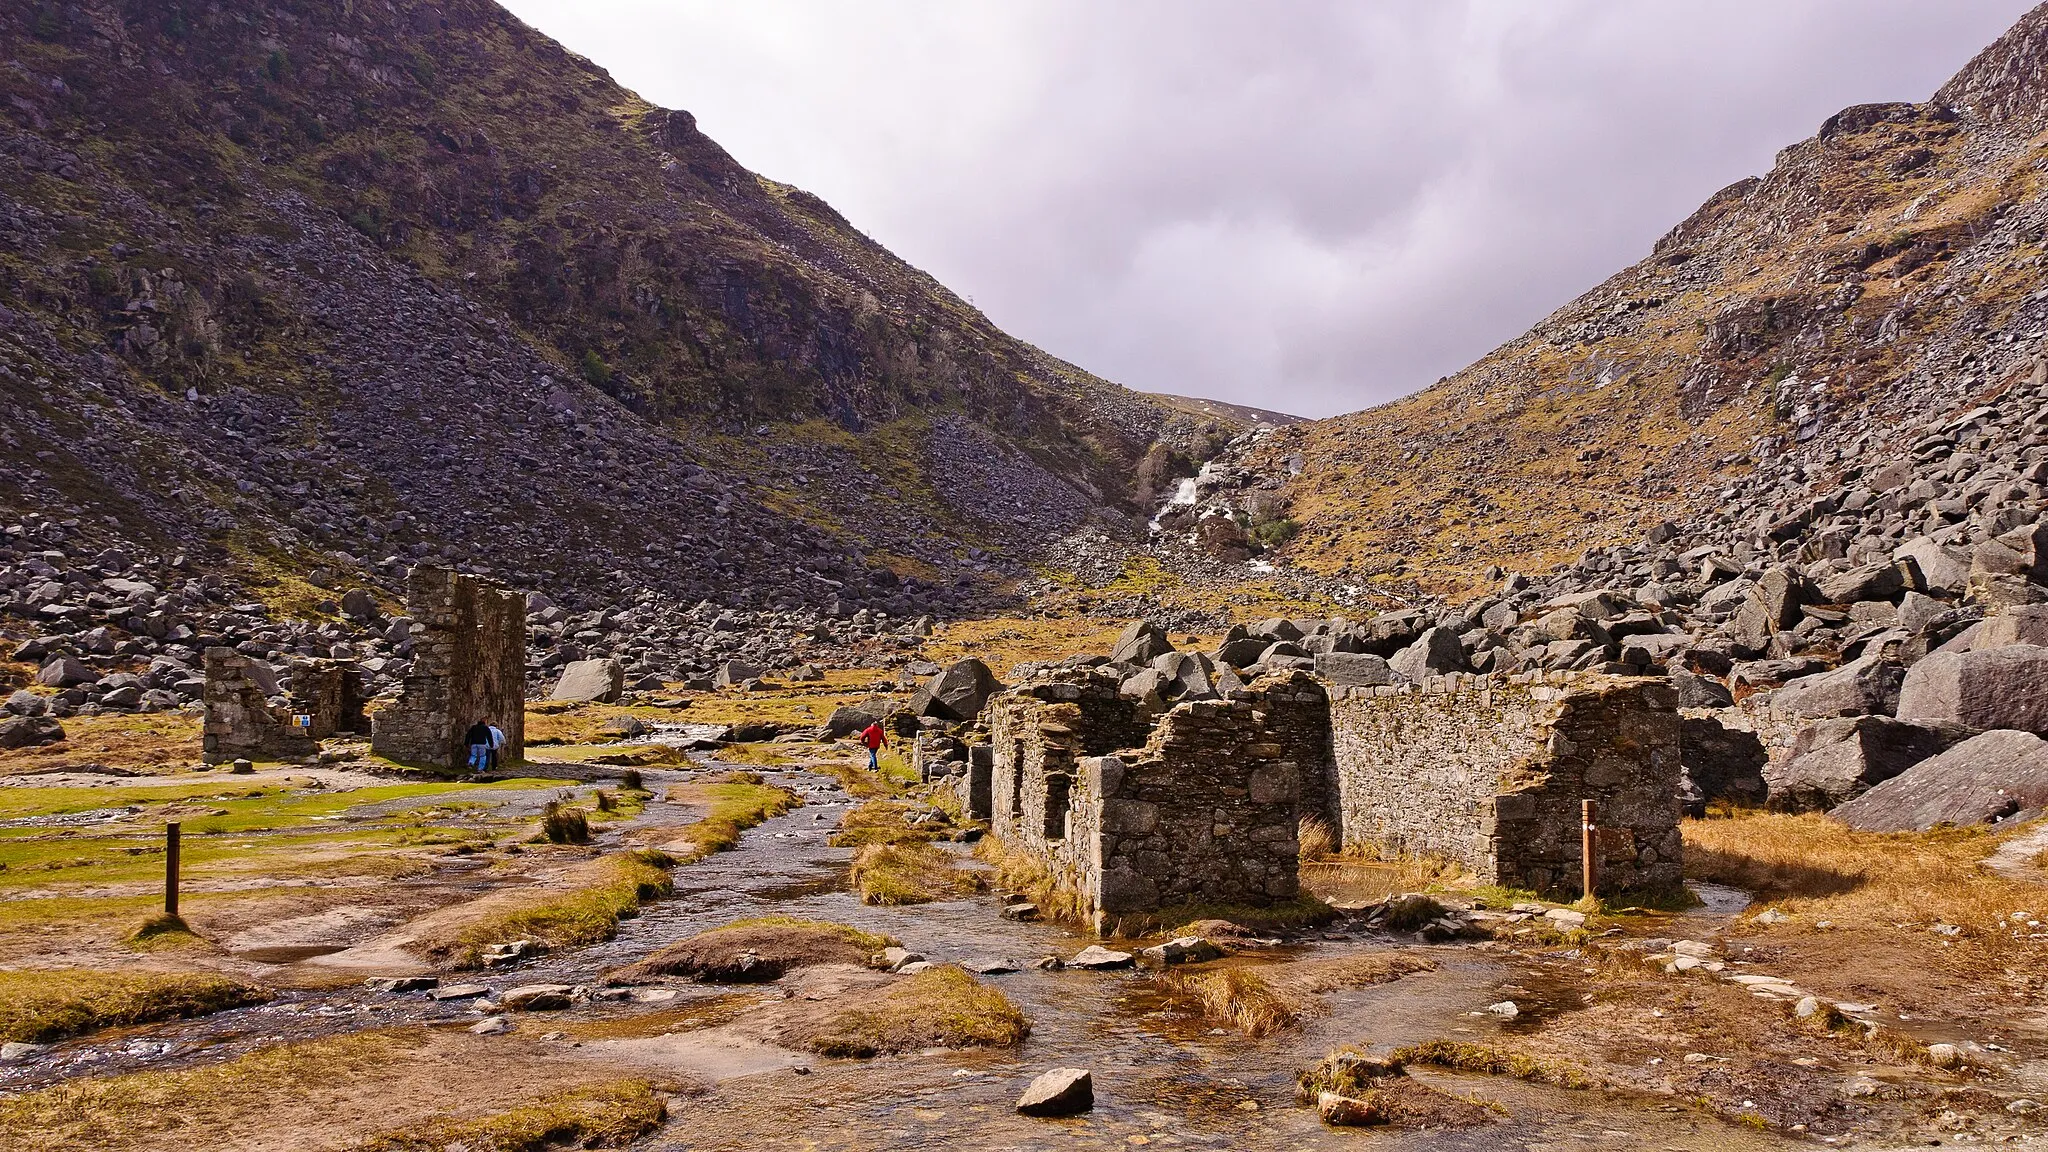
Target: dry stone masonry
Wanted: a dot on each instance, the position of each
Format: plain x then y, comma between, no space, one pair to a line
1490,772
1129,809
469,664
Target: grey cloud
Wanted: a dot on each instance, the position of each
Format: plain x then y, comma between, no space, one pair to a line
1315,206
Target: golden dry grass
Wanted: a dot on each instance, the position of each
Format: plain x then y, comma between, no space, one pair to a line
916,873
1811,865
603,1115
738,801
1316,839
183,1107
1491,1060
1259,1001
42,1004
888,822
585,911
755,950
940,1007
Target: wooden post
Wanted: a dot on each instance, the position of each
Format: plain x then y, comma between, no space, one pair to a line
1589,855
171,869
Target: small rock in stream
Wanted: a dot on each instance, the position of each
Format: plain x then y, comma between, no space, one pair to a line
538,998
1095,956
1059,1092
18,1050
401,983
458,992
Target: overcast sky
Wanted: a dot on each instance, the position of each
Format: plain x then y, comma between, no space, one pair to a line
1304,205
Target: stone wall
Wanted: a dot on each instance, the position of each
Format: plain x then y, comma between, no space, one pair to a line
1199,808
1490,772
331,692
240,722
469,664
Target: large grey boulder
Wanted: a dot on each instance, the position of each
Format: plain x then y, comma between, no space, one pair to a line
1141,643
1146,688
2004,687
1434,653
1837,760
65,672
1717,762
958,692
1996,777
30,731
848,719
1939,568
734,672
359,604
602,681
1867,686
1696,691
1772,605
1865,582
1189,676
1355,670
2022,624
1276,628
2012,568
1242,652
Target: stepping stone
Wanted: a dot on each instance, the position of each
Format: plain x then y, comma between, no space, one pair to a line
401,983
1095,956
458,992
992,967
1059,1092
538,998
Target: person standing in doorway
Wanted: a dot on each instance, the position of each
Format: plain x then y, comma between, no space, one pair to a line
478,738
875,740
497,747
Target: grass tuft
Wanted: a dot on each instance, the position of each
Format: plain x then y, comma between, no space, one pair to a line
1463,1056
38,1005
738,801
588,914
893,874
755,950
163,932
1266,999
606,1115
940,1007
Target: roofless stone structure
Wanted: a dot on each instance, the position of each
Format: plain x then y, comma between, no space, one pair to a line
469,664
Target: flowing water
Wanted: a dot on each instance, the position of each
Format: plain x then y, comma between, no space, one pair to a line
1161,1076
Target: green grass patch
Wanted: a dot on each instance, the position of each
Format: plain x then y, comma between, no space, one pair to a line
39,1005
738,802
941,1007
587,914
604,1115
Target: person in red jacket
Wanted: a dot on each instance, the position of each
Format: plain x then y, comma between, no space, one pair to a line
874,739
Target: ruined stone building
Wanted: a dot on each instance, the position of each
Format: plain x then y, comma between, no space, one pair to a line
1132,811
241,722
469,664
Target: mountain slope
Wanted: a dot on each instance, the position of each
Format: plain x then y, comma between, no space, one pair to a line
1882,271
307,284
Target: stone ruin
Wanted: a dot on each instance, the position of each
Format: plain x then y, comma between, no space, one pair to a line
243,723
469,664
1130,810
